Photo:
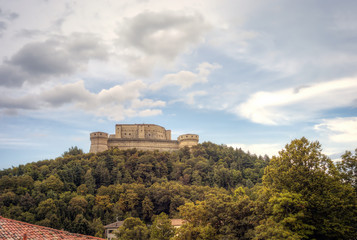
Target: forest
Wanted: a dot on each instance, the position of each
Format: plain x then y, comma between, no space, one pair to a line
220,192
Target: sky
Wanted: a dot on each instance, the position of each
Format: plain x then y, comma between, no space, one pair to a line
249,74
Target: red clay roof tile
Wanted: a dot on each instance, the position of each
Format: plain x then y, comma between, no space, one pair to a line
16,230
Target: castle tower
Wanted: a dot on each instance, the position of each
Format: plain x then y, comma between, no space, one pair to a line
188,140
99,142
142,137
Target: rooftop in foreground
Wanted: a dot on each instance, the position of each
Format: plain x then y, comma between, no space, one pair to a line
17,230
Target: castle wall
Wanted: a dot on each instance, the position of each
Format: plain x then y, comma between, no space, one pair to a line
188,140
168,134
141,144
99,142
142,137
143,131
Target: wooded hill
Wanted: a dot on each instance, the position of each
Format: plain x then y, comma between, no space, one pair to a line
222,192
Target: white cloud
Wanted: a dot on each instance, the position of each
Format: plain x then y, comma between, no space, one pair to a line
15,143
190,99
259,149
137,103
149,112
157,38
294,104
185,79
339,130
115,103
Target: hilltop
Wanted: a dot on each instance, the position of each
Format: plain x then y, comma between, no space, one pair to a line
82,192
221,192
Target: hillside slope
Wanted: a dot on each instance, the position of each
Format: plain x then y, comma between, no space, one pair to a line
82,192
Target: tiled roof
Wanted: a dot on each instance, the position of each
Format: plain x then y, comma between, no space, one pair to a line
114,225
16,230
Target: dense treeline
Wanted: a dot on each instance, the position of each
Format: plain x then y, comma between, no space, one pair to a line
82,192
221,192
303,195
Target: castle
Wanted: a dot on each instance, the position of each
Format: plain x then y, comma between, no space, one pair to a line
141,137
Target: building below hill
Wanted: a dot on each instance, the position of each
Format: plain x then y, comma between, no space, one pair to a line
16,230
111,228
142,137
177,222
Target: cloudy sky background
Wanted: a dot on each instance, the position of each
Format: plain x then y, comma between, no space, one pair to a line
250,74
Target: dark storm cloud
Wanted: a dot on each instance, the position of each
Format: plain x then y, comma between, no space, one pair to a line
39,61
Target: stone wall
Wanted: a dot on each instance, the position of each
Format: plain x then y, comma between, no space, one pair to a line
142,131
142,137
143,144
99,142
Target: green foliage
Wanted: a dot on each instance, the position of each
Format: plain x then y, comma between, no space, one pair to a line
305,197
133,229
269,229
147,208
221,215
52,183
348,168
191,232
97,227
221,192
80,225
72,151
93,190
161,228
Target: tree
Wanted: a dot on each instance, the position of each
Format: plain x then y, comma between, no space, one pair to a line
305,194
161,228
89,181
190,232
147,208
133,229
98,227
8,198
78,205
52,183
285,218
348,168
72,151
46,208
82,189
220,215
81,225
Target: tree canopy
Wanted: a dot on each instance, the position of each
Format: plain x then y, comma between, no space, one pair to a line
220,192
